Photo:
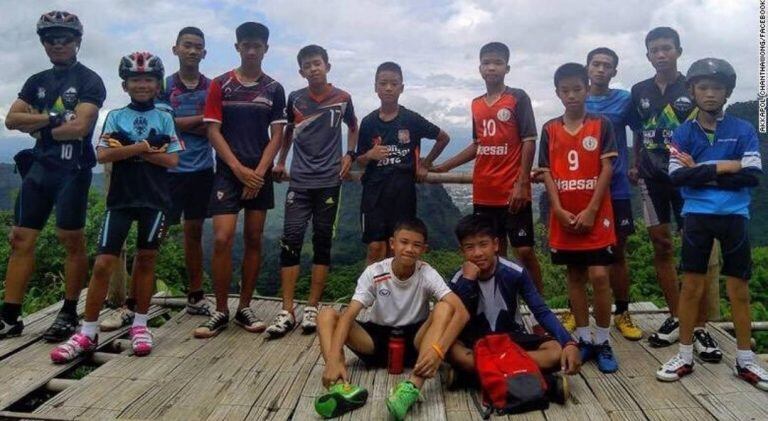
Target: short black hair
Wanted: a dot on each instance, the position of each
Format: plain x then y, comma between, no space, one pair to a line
472,225
571,70
389,66
606,51
411,224
495,47
252,30
190,30
311,51
663,32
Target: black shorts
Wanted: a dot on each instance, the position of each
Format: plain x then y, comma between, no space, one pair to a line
699,233
302,205
527,341
518,227
384,204
42,189
660,200
190,193
600,257
227,191
117,224
380,336
623,220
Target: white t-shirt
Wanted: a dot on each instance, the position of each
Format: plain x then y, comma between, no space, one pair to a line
395,302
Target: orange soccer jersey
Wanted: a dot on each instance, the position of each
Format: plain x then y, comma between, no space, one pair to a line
573,160
498,130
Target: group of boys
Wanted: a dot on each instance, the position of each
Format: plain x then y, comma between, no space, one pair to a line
158,176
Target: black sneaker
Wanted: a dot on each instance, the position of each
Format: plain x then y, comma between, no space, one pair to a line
211,327
62,328
9,330
558,390
705,347
668,333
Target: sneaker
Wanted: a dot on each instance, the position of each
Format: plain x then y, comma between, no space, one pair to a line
119,318
309,320
402,398
8,330
141,340
62,328
204,307
674,369
340,399
586,351
753,374
568,321
211,327
624,325
668,333
606,361
78,345
245,318
705,347
283,323
558,390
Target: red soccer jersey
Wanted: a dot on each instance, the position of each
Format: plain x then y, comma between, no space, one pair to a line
498,130
573,160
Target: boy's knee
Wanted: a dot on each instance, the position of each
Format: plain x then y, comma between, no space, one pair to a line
326,315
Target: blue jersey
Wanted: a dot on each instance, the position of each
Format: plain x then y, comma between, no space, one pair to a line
188,102
136,182
734,140
617,107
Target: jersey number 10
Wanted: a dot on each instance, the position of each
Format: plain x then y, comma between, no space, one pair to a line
66,152
489,127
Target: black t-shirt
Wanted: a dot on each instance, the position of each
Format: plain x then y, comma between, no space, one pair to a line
57,90
402,137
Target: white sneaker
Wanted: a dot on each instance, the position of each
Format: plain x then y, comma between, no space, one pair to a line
117,319
754,374
309,320
674,369
284,322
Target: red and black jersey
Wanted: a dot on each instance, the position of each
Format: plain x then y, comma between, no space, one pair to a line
498,130
574,161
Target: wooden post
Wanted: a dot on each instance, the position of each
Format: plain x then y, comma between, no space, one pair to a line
116,294
713,277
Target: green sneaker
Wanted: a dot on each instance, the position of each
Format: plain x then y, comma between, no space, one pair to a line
401,399
340,399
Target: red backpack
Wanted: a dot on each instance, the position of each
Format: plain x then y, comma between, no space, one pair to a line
510,379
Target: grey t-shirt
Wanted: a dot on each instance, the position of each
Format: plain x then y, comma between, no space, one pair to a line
317,136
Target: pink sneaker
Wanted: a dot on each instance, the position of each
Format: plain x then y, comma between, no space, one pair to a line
141,341
77,345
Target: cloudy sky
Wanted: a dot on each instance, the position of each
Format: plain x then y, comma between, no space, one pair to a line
436,42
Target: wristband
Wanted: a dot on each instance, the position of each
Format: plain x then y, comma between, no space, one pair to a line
570,343
439,351
352,154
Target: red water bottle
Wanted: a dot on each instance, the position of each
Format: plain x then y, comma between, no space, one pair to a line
396,352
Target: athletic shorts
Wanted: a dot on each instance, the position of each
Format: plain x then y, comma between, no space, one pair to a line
518,227
527,341
117,223
386,203
699,233
302,205
42,189
623,220
227,191
600,257
190,194
660,200
380,336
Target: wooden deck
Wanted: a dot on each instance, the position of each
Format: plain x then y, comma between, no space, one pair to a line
241,376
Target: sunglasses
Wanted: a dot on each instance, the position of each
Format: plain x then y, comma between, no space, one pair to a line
58,39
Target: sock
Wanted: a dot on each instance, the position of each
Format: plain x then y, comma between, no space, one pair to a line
130,303
11,312
70,306
584,335
602,334
686,353
744,357
195,296
140,320
90,329
621,307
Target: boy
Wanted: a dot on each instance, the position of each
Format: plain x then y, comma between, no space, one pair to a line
715,159
59,108
140,140
388,148
315,114
397,292
242,108
575,156
503,145
490,287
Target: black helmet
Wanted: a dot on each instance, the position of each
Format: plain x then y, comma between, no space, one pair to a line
57,19
713,68
141,63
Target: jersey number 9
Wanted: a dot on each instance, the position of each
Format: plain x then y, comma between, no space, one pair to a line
573,160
